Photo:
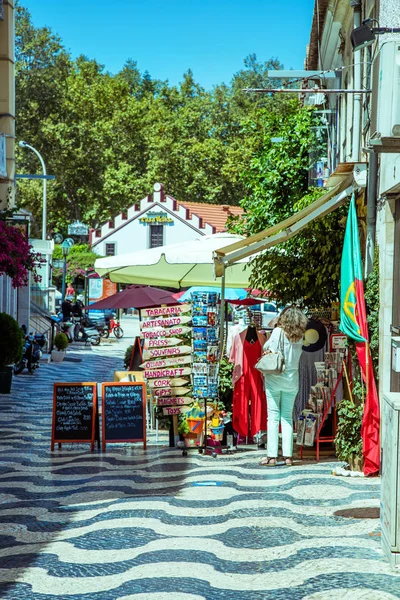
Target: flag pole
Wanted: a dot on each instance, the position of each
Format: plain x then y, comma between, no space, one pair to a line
348,382
366,369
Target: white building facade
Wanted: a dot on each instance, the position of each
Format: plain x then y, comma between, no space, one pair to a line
363,133
158,220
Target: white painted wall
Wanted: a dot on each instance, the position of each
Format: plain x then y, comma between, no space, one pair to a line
136,235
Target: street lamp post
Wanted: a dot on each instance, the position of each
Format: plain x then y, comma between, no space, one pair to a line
44,213
65,246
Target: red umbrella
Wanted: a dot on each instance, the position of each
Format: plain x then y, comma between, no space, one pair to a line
135,296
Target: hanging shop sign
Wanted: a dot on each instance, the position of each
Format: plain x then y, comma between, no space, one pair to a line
169,391
78,228
166,362
162,343
167,322
171,372
167,382
157,352
174,401
156,218
161,333
177,309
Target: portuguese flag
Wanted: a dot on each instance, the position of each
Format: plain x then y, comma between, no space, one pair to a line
353,322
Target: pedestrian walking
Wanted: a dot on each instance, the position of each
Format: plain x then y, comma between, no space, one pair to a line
281,389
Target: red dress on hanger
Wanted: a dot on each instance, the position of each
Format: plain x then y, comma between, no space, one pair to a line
249,406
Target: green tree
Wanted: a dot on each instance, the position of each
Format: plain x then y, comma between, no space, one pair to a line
307,266
79,259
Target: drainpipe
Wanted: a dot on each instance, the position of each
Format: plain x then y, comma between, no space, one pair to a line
357,100
371,211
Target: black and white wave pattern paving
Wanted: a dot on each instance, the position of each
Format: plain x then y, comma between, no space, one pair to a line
135,525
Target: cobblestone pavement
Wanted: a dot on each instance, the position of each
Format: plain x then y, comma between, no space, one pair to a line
153,525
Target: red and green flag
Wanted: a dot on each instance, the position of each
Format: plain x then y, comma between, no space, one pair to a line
353,322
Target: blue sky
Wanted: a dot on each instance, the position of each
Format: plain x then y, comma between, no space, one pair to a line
166,37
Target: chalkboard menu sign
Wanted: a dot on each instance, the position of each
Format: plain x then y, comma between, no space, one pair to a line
74,413
124,412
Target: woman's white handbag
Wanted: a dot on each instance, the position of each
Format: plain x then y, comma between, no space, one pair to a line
273,362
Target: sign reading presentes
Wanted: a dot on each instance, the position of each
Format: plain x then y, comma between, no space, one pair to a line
124,412
74,413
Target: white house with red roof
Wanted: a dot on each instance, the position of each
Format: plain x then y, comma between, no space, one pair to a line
158,220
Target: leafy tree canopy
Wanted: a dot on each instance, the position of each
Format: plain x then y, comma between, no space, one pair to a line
306,267
108,138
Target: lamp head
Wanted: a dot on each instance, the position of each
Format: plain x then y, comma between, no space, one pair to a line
22,144
361,37
65,247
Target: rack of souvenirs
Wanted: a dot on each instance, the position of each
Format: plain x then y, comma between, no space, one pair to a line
181,366
321,402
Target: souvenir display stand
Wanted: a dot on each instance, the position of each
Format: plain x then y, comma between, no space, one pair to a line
321,403
205,367
182,341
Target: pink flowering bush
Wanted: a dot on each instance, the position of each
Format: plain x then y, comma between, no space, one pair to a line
16,257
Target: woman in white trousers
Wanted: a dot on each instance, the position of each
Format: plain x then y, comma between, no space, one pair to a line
281,389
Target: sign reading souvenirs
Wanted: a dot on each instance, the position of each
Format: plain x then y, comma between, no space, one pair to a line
177,309
74,413
169,372
124,412
165,322
156,218
160,333
157,352
166,362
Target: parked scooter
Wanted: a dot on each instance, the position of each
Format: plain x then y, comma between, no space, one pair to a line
113,327
84,331
32,353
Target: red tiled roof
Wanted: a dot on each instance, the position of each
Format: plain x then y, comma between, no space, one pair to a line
213,214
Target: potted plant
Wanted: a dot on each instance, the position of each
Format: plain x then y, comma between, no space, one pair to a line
61,343
11,349
184,431
348,441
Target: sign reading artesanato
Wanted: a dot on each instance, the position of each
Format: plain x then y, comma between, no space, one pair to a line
158,218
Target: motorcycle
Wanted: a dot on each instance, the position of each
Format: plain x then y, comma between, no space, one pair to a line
113,327
32,353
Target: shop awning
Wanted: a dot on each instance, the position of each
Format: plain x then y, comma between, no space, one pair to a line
281,232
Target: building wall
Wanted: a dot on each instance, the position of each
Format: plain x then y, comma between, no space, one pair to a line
130,234
7,99
389,176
